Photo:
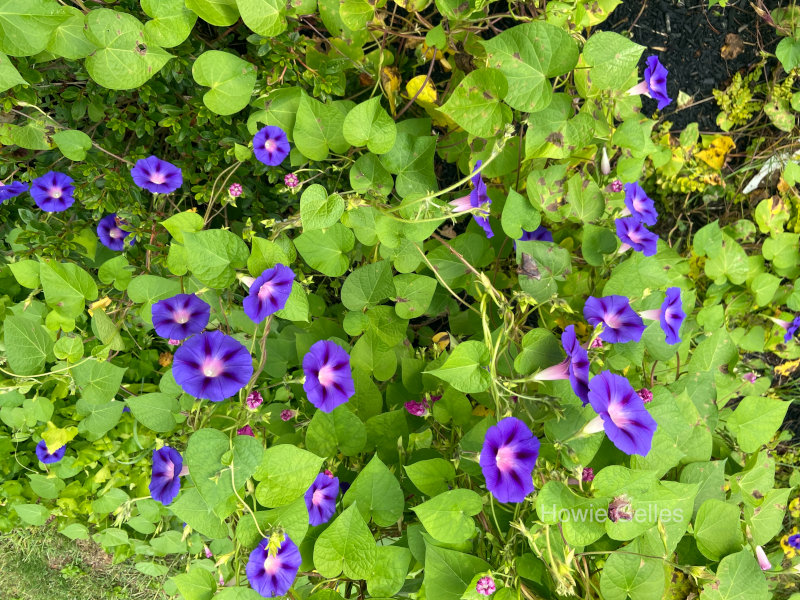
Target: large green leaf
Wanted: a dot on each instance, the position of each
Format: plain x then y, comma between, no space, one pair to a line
265,17
126,58
377,494
66,287
28,345
230,78
370,125
9,76
738,578
555,133
347,546
339,430
216,12
195,512
214,255
432,476
171,21
476,103
68,40
414,294
155,411
327,251
756,420
285,473
717,529
368,285
448,573
318,128
318,210
527,55
73,143
25,27
448,516
98,381
611,58
465,369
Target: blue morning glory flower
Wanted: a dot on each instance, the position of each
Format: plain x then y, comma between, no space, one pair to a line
53,191
670,315
44,455
621,413
110,233
271,146
165,481
269,293
575,367
212,365
639,204
321,499
478,198
540,234
633,234
329,381
273,574
12,190
507,459
156,175
620,322
180,316
654,84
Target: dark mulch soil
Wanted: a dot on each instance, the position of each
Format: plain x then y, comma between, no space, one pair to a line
688,38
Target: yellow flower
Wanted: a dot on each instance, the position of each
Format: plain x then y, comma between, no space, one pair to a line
794,507
791,543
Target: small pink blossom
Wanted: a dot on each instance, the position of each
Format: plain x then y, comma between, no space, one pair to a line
750,377
615,186
174,342
221,580
235,190
287,415
416,408
208,552
485,586
646,395
291,180
328,473
246,430
596,343
588,474
254,400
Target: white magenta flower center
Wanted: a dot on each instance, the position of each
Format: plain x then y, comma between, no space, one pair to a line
212,367
265,291
505,459
317,497
270,145
55,192
181,316
158,178
617,414
272,565
326,376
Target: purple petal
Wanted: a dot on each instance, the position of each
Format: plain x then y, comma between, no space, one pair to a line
180,316
212,366
156,175
44,455
507,460
271,146
639,204
672,315
329,381
627,423
53,191
165,482
631,231
269,293
282,567
620,322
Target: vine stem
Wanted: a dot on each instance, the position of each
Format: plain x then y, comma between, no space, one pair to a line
246,505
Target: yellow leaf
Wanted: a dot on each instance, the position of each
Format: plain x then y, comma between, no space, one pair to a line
102,304
716,153
428,94
390,81
55,437
442,339
482,411
787,368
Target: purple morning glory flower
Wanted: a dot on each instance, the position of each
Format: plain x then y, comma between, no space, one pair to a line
507,459
329,381
165,482
791,328
321,499
156,175
43,454
625,419
53,191
269,293
212,365
639,204
620,322
270,145
12,190
272,575
479,198
181,316
575,367
632,232
654,84
540,234
670,315
110,234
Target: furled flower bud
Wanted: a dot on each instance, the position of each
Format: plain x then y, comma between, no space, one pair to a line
291,180
287,415
235,190
485,586
254,400
605,164
588,474
615,186
646,395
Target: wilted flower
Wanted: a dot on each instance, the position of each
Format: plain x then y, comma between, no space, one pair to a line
588,474
271,145
620,508
180,316
645,394
507,460
329,381
791,543
165,482
615,186
654,84
165,359
639,204
156,175
750,377
287,415
110,233
213,366
620,322
416,408
575,367
246,430
254,400
53,191
633,234
321,499
621,413
272,574
670,315
485,586
479,198
235,190
794,507
44,455
291,180
763,561
12,190
269,293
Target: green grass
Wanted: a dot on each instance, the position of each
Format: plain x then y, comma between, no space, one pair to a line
40,564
